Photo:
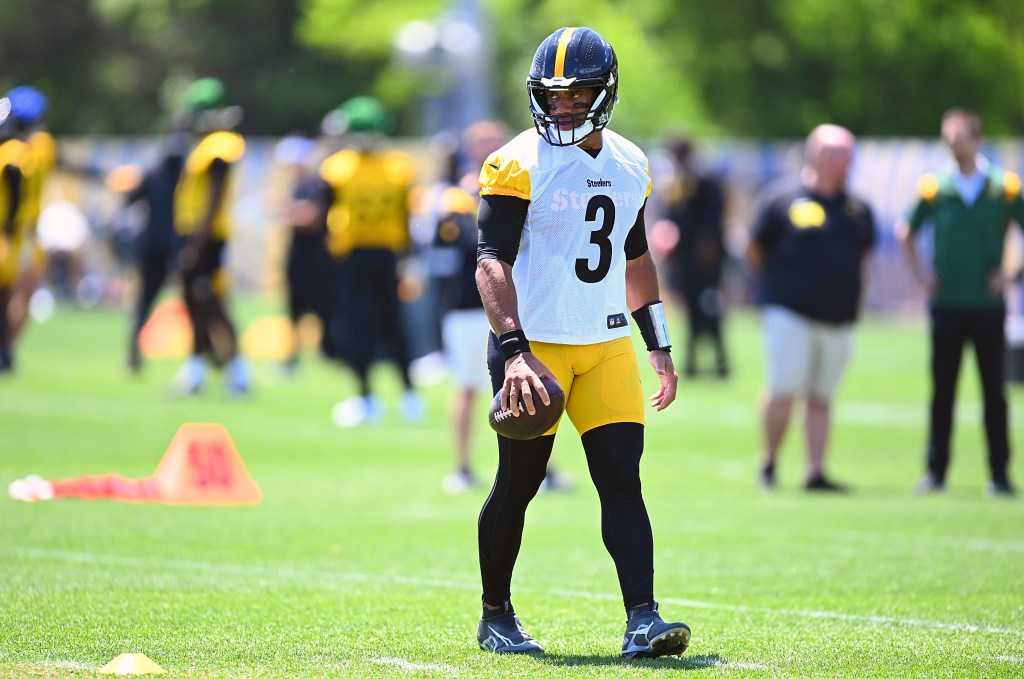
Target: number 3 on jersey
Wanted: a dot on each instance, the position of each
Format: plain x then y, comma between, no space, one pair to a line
600,238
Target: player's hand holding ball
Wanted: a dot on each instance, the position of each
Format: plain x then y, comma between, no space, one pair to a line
530,401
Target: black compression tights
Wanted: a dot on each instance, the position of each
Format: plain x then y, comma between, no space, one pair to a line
613,455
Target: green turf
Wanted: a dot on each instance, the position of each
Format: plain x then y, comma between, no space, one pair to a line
357,564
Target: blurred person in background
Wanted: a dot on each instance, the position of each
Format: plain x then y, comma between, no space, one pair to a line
202,217
464,324
157,245
29,107
15,163
969,207
307,261
809,244
694,209
463,320
367,233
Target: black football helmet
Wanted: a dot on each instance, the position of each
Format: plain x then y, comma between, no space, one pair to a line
570,58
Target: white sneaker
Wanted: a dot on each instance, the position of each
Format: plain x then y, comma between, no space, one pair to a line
237,377
413,407
191,376
458,482
357,410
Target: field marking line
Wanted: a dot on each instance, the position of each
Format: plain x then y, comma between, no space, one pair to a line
704,663
321,576
407,665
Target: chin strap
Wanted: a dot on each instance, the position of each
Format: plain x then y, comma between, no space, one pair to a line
650,318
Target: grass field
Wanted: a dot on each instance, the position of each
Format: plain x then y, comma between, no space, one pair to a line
357,564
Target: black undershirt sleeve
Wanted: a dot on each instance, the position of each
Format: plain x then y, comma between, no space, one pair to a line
501,220
12,176
636,240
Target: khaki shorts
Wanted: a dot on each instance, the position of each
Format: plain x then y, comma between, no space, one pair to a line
601,381
804,357
464,332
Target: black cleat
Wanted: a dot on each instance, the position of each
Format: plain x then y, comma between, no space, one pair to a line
501,632
820,483
1001,488
648,636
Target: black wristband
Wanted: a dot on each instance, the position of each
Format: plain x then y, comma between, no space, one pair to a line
513,342
650,318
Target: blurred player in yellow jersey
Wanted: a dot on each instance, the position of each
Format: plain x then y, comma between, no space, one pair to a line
202,204
28,113
15,166
367,232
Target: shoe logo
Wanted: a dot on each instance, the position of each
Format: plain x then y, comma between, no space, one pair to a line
631,644
492,644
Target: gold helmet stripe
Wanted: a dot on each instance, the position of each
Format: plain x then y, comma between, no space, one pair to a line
563,46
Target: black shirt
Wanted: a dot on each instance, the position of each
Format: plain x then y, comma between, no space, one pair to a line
157,190
812,252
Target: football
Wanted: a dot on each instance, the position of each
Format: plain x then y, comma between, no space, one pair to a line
528,426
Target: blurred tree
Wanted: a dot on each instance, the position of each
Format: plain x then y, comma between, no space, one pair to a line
779,67
768,68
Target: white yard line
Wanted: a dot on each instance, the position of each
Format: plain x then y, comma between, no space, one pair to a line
406,665
320,577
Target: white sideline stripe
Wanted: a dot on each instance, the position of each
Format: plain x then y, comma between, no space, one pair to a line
832,615
406,665
321,576
1010,658
727,664
58,664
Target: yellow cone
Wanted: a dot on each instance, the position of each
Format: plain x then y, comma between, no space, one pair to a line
132,663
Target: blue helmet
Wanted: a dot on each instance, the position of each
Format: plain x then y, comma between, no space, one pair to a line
573,58
28,105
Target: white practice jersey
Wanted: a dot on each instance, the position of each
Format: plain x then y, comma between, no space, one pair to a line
570,274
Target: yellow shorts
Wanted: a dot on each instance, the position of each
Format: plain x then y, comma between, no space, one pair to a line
601,381
10,259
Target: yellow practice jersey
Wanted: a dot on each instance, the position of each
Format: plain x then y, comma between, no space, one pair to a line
12,153
371,200
43,148
194,192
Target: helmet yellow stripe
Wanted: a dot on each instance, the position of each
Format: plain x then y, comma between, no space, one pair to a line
563,46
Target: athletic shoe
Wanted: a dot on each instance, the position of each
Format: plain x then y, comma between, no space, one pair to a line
501,632
929,484
357,410
648,636
767,478
191,376
413,408
1000,489
555,482
458,482
237,378
820,483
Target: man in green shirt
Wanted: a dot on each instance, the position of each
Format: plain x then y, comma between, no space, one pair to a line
969,207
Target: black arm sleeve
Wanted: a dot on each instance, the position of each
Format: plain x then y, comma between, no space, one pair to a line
636,240
12,175
501,220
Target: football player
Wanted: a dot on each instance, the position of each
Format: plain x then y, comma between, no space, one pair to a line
28,108
15,166
367,231
202,217
562,261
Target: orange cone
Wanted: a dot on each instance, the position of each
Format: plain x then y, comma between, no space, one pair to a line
202,467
